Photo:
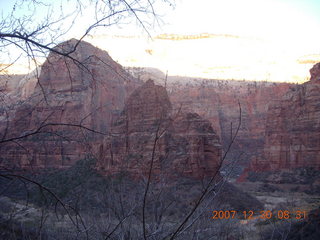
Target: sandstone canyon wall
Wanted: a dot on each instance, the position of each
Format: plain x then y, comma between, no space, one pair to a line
218,101
293,129
88,90
77,108
94,91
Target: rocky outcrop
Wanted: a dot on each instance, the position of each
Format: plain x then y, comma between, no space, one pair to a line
73,104
293,129
148,130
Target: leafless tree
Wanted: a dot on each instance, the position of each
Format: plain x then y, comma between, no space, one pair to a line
144,210
31,30
35,27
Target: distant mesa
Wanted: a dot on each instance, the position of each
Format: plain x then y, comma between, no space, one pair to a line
315,73
167,36
309,59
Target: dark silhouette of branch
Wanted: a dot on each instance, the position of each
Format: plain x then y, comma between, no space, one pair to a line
156,138
38,130
204,193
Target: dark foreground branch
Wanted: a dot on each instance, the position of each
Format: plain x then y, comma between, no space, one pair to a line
206,190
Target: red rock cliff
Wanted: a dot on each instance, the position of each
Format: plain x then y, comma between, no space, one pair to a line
87,90
187,143
293,129
218,101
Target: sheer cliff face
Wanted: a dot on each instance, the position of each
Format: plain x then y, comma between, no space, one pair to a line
219,103
92,87
293,128
88,90
148,129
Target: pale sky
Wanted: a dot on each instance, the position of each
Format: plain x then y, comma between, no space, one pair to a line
263,18
288,29
275,19
275,38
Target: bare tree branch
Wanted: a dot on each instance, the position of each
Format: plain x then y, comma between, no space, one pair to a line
204,193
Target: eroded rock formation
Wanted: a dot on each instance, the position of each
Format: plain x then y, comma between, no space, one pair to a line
149,130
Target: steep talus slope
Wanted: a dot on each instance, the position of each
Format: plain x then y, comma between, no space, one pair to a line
149,130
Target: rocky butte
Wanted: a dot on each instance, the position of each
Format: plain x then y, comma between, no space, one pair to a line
149,130
293,129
